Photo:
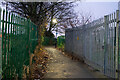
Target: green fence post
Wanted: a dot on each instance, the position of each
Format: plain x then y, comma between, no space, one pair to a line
8,54
3,62
11,65
0,48
28,39
5,46
13,46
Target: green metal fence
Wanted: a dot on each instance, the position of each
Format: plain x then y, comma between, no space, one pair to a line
61,42
19,38
51,41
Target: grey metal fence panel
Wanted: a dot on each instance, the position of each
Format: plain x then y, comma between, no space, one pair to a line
69,41
96,44
93,45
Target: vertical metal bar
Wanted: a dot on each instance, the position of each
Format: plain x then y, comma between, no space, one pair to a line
109,65
98,56
5,50
117,36
13,45
0,22
17,23
90,46
109,44
0,47
105,43
8,33
3,62
114,45
11,48
16,47
95,63
112,74
112,36
8,55
108,47
118,39
111,49
28,35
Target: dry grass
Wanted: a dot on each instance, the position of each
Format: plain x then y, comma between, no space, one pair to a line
38,68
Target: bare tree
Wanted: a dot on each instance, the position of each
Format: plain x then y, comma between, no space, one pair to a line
85,18
42,13
63,11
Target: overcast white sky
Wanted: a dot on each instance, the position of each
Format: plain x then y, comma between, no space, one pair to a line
97,9
100,0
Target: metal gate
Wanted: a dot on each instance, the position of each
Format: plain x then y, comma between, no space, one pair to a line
97,43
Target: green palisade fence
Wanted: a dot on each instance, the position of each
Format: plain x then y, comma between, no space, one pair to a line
51,41
19,39
61,42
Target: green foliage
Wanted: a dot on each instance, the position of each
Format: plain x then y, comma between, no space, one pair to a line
48,41
61,42
49,34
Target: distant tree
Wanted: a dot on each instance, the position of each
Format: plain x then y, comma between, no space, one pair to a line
85,18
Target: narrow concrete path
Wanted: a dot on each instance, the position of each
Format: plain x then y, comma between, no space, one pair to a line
60,66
